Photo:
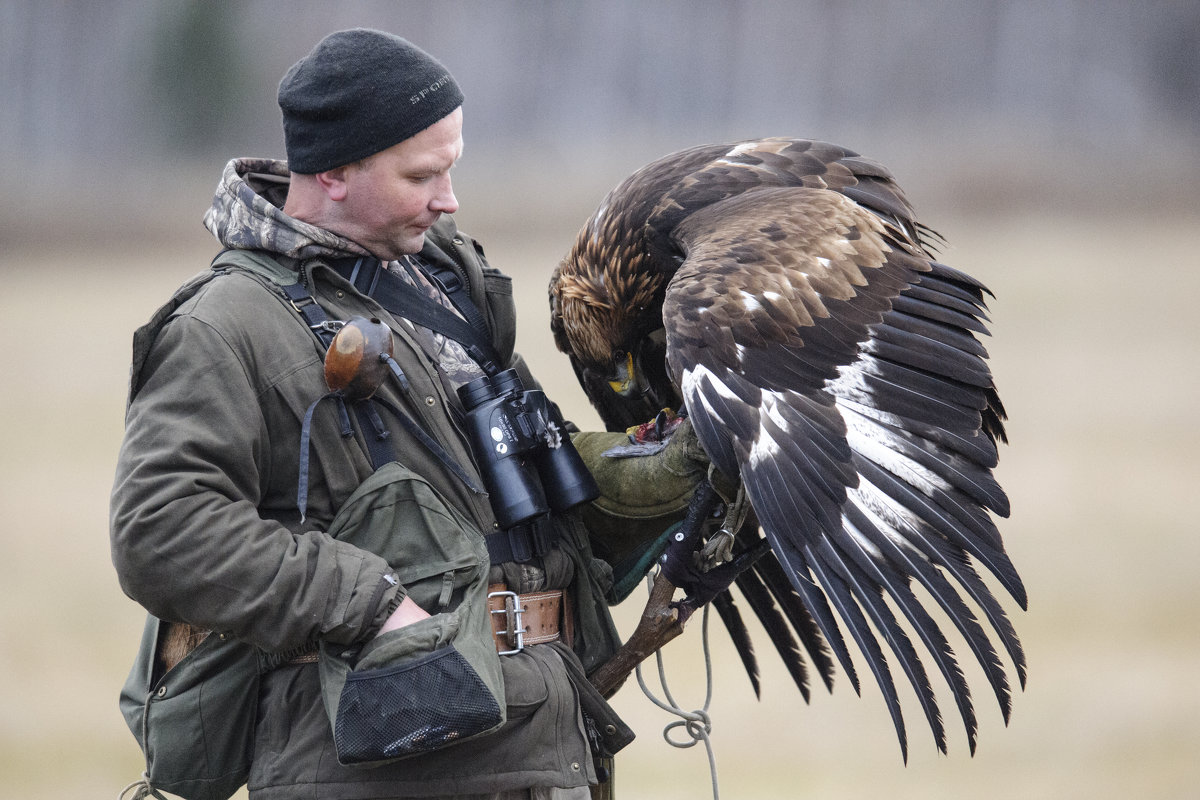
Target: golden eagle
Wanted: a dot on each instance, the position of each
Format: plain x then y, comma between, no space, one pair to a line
782,291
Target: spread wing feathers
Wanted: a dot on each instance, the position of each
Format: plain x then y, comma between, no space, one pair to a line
731,617
851,419
783,614
825,357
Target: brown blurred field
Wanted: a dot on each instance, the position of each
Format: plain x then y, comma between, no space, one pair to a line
1096,354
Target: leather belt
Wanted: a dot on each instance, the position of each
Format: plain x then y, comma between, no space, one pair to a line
518,621
521,620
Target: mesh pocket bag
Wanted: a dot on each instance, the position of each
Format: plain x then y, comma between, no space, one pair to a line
393,712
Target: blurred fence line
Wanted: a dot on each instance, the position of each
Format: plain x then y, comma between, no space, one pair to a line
92,81
1022,92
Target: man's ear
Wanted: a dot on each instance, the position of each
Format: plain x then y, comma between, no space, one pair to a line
333,183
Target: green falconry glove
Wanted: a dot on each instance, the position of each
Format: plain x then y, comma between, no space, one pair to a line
644,492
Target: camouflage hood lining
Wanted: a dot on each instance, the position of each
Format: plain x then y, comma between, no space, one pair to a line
247,214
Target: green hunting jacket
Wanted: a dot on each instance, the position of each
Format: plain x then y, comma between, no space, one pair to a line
204,521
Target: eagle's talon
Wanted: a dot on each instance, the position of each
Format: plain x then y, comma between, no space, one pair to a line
684,609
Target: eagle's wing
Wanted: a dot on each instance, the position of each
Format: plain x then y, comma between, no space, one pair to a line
824,357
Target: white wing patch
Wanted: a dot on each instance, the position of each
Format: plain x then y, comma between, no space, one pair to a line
766,448
871,441
749,301
693,383
729,158
595,226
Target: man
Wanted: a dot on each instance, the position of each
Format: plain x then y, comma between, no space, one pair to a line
227,384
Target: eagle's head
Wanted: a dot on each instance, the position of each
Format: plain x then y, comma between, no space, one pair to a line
606,295
606,313
604,304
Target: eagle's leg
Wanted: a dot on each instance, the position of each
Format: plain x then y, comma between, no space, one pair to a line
663,617
719,547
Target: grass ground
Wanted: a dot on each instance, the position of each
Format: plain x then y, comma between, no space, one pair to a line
1095,353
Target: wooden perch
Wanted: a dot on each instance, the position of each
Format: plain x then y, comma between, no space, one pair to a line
660,623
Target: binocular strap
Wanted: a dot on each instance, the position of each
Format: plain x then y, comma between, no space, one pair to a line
523,542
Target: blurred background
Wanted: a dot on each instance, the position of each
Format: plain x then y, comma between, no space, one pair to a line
1054,143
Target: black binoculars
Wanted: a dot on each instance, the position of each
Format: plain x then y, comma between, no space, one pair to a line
527,460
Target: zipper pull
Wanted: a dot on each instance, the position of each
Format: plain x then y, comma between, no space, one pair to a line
447,590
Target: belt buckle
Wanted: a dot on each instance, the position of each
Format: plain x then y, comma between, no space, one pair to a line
515,619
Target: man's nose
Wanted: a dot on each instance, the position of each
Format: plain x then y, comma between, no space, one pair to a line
444,200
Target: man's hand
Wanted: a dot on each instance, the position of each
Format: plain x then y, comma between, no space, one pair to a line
406,613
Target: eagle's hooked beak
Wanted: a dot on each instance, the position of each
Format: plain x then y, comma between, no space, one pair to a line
625,380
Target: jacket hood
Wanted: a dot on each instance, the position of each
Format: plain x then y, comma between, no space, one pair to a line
247,214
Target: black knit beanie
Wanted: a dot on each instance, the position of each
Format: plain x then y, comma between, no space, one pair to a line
359,92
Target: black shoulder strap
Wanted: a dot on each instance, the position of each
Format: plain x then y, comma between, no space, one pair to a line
276,276
439,267
404,300
379,449
375,434
520,543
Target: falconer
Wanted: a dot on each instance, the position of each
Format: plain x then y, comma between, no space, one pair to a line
262,518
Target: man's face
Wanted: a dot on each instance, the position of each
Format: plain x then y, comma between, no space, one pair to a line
396,195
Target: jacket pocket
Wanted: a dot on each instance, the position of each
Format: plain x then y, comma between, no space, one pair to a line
432,683
526,689
196,724
397,515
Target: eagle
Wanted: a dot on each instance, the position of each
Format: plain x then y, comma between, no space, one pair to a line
783,295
